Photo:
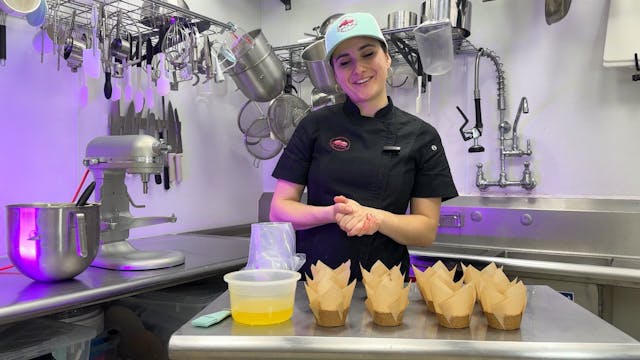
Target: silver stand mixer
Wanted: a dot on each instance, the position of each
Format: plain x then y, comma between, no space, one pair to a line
109,158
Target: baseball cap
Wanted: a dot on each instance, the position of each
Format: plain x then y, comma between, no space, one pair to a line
348,26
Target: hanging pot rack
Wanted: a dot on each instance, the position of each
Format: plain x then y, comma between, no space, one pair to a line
139,12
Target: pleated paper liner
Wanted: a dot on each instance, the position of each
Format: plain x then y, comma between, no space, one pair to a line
387,319
331,318
510,322
454,322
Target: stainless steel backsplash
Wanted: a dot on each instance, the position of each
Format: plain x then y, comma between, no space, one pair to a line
593,226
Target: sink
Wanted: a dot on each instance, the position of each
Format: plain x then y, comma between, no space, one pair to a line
452,251
560,258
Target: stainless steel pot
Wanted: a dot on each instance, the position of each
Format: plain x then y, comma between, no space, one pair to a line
259,73
52,241
401,19
19,7
320,71
457,11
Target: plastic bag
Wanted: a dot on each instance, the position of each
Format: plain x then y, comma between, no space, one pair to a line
273,246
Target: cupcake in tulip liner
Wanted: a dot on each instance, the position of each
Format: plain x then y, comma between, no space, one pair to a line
387,295
453,303
330,293
425,278
503,304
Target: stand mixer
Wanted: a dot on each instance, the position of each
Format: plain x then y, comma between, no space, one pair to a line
109,158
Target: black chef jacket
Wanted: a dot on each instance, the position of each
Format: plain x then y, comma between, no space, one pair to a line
380,162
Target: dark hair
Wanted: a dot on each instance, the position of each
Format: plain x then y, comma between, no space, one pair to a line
383,45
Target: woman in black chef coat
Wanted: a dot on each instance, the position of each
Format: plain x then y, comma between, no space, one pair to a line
362,162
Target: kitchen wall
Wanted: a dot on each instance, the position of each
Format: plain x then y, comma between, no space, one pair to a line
45,132
583,120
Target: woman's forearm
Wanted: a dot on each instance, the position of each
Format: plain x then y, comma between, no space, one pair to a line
301,216
409,229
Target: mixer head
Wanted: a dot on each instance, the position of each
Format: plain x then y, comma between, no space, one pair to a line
134,154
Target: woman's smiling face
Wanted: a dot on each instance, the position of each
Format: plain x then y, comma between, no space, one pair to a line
360,65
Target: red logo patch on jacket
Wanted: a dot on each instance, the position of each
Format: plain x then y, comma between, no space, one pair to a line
340,144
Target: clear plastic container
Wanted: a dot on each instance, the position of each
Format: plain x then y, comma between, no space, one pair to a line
262,296
435,46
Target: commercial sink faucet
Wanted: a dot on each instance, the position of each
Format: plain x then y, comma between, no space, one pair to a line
527,181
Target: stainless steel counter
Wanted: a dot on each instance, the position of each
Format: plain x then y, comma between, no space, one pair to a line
594,269
22,298
552,328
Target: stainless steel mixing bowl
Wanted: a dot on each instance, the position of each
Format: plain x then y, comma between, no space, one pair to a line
52,241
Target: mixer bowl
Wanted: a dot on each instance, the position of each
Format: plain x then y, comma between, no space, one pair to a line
52,241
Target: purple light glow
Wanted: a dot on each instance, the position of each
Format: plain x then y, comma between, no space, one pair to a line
28,234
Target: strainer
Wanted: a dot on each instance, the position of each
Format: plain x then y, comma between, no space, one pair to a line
262,148
284,114
249,113
259,128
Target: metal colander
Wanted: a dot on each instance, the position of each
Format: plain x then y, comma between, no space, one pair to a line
284,114
252,116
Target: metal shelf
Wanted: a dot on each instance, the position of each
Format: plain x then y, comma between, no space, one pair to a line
139,17
402,49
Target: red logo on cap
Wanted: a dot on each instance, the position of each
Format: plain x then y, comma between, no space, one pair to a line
346,24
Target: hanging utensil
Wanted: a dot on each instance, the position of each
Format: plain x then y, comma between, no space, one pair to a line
84,90
178,142
106,57
138,96
3,38
91,57
148,95
162,84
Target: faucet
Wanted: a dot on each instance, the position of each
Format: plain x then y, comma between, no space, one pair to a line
527,181
522,108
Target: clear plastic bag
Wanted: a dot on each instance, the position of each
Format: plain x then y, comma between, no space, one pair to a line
273,246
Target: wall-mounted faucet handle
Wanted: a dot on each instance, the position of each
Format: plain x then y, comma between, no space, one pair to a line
527,182
481,182
523,107
473,133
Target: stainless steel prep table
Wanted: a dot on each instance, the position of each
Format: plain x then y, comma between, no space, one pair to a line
22,298
552,328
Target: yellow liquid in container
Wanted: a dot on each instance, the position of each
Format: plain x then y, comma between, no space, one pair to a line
262,311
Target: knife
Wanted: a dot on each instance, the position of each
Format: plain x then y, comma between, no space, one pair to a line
163,134
114,116
154,130
178,155
129,120
170,136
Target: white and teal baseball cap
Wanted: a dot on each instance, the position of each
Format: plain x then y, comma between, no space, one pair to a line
348,26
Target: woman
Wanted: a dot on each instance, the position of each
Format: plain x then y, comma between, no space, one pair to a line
363,162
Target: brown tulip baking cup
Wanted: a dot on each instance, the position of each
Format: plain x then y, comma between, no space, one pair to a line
455,322
386,319
331,318
511,322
